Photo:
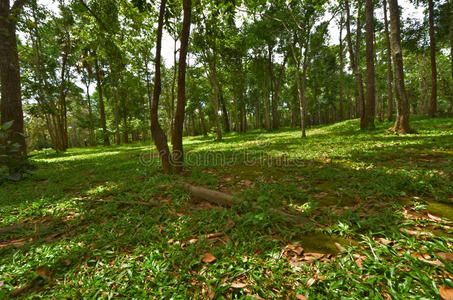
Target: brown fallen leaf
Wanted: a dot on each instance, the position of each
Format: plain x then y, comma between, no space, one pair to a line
44,272
238,285
448,257
315,255
359,262
434,218
425,258
301,297
446,293
384,241
208,258
340,248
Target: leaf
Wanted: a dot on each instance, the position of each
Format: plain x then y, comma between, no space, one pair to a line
384,241
238,285
434,218
208,258
340,248
44,272
448,257
446,293
315,255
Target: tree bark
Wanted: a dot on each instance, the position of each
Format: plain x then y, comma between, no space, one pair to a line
159,137
389,65
178,153
354,59
90,113
226,119
402,119
101,103
340,54
172,104
451,53
116,112
432,46
200,112
370,80
11,104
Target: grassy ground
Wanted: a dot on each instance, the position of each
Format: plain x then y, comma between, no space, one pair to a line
384,198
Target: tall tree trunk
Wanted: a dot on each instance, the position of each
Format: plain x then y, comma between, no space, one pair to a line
101,103
116,112
215,87
272,89
173,83
354,59
451,53
341,68
90,113
148,85
226,119
370,80
200,113
402,119
178,154
159,137
277,84
11,104
432,48
389,65
267,109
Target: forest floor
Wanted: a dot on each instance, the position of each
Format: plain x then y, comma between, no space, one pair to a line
379,208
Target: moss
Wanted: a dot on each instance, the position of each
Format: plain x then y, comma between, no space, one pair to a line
323,243
440,209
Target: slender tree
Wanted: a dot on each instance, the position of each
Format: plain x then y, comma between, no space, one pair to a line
389,65
402,119
432,50
178,153
370,81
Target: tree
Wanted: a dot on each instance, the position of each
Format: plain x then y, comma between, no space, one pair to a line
11,104
178,153
354,56
432,50
403,109
159,137
389,65
370,81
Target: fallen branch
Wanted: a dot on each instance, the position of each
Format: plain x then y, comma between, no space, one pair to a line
117,201
227,200
210,195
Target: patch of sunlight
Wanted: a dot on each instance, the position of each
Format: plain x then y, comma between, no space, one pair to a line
77,157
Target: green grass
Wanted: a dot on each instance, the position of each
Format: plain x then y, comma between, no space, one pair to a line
355,187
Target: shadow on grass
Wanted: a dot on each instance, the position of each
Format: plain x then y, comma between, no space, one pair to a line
91,243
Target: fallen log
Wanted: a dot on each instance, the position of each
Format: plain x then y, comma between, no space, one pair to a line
212,196
226,200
